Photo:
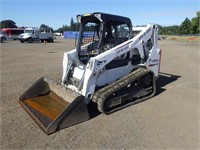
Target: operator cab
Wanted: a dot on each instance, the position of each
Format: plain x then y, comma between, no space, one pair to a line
100,32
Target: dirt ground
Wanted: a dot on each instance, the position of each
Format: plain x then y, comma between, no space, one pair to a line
170,120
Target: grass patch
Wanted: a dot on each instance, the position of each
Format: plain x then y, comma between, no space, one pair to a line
188,39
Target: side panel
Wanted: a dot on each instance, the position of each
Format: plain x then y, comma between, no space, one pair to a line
153,63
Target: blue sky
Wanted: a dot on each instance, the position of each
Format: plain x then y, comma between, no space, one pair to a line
56,13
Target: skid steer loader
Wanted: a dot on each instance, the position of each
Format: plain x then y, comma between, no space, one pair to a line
110,68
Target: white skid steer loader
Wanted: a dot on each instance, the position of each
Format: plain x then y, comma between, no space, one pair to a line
110,67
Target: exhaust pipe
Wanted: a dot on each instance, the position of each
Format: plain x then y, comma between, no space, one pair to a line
52,106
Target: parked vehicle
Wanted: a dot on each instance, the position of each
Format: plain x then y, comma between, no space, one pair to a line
13,33
2,36
34,34
109,69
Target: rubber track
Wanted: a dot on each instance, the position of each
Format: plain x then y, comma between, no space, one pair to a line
102,94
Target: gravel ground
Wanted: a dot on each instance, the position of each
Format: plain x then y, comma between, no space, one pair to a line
170,120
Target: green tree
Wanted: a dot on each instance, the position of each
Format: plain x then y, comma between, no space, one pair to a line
185,26
195,28
44,27
63,28
72,22
198,13
169,30
72,25
8,24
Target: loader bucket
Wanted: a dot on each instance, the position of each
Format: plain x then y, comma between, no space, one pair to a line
52,106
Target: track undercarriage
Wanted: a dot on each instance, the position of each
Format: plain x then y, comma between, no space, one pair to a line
137,86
